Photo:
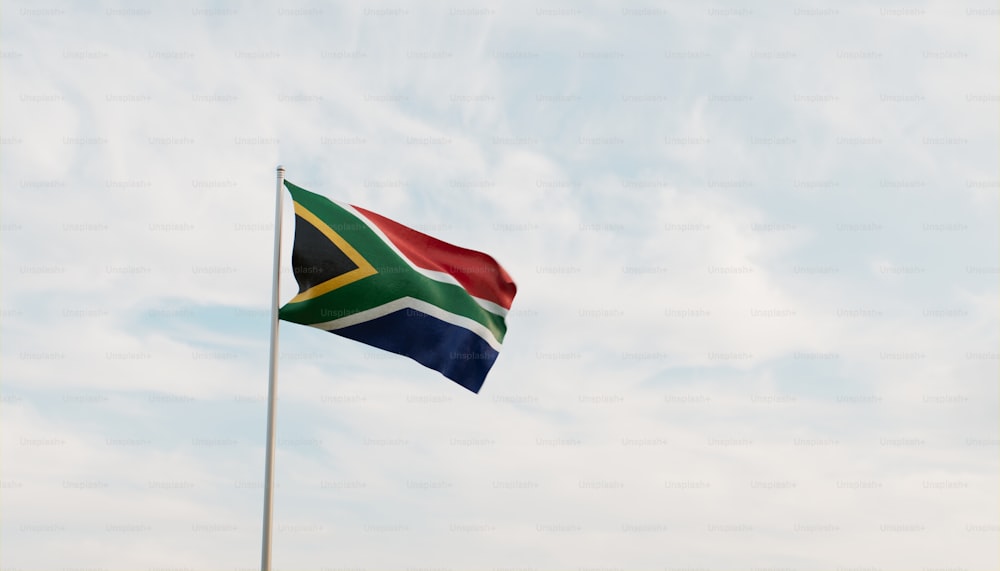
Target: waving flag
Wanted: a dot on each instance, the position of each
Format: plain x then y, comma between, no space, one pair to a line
367,278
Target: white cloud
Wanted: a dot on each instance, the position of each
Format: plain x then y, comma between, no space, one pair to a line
756,297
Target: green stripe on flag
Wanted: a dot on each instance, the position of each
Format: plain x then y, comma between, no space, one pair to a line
380,289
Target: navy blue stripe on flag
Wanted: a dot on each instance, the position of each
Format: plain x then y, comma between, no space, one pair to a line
454,351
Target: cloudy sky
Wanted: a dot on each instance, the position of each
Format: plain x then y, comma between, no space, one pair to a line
756,249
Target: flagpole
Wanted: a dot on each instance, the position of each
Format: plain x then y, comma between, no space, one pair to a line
265,550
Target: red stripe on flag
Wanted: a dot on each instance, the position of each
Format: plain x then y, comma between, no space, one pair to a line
478,273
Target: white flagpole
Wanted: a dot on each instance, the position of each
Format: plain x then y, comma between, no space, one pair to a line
265,550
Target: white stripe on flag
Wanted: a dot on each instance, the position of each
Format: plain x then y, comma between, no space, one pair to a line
417,305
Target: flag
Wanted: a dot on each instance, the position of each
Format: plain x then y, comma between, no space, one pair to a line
368,278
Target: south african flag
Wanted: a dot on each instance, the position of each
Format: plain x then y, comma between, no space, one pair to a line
367,278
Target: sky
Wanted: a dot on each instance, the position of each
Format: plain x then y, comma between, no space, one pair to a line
756,249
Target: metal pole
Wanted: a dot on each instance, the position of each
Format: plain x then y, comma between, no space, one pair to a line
265,551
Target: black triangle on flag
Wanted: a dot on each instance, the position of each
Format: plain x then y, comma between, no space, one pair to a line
315,258
322,260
